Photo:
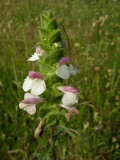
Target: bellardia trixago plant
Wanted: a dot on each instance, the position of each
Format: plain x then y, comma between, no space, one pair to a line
45,87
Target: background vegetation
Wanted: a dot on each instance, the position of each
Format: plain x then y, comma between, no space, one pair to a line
93,27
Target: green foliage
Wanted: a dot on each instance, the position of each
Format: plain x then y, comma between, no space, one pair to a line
55,36
52,24
43,155
93,29
50,34
44,46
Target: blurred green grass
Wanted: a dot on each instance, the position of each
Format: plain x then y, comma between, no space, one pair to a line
93,28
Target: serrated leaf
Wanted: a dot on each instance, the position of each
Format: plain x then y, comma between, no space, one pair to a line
50,14
43,20
52,25
57,53
55,36
44,31
44,47
67,130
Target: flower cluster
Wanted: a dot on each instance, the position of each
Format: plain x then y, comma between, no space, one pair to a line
36,84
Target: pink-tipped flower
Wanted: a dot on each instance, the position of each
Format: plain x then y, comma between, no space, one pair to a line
70,95
63,60
35,83
29,103
72,110
64,71
39,52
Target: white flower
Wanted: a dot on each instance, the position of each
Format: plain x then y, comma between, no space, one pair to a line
35,83
34,57
39,52
69,99
64,71
29,103
70,95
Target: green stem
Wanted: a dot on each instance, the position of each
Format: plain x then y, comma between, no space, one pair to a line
52,143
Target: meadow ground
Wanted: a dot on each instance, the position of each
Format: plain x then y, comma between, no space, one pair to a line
93,27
